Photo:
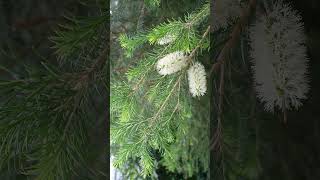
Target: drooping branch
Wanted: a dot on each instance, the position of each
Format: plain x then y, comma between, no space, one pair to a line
190,57
234,36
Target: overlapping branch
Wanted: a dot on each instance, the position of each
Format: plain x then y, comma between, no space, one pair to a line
234,37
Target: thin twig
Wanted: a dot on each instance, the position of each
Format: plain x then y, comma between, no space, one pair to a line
12,74
166,100
101,60
82,78
194,51
218,134
141,16
220,64
234,36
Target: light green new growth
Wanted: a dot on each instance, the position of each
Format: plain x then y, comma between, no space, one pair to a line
154,114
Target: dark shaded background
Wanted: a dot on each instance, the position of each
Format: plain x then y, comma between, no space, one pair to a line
282,151
25,29
292,151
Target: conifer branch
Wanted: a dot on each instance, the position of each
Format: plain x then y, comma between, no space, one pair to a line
136,86
154,115
205,34
190,57
166,100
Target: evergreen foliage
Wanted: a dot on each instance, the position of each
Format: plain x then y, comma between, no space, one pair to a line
77,34
171,104
154,116
46,113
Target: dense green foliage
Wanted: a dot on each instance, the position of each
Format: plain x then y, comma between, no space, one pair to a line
46,115
155,121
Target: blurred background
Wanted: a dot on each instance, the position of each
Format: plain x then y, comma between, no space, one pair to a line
26,29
